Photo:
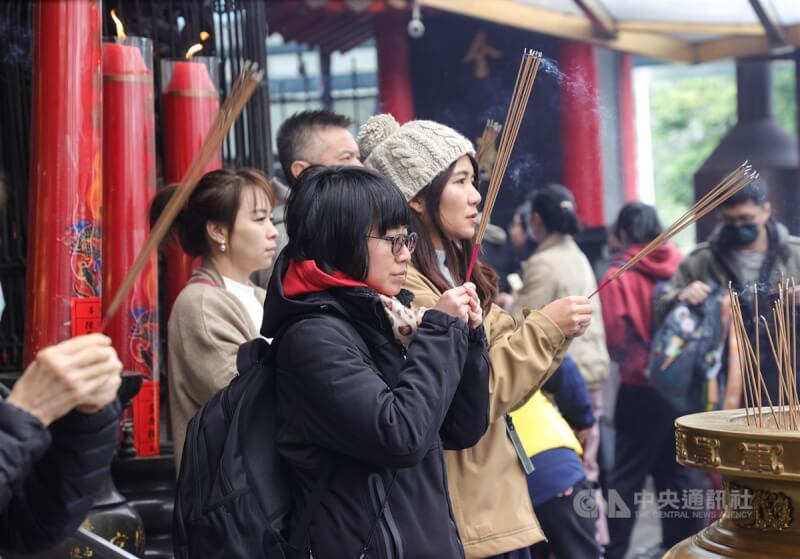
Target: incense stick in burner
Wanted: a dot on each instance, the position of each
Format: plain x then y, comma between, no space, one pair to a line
526,75
243,88
779,334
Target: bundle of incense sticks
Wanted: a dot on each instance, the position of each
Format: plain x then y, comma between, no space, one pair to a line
243,88
730,185
782,338
526,75
486,142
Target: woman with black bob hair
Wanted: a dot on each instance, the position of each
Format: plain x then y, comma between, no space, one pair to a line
370,391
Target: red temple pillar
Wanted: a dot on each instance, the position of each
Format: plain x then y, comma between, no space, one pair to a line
580,130
627,117
63,281
394,72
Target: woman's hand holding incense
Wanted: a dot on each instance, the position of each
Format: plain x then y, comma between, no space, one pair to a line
572,315
475,313
455,302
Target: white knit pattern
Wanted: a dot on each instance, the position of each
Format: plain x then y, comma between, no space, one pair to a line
410,155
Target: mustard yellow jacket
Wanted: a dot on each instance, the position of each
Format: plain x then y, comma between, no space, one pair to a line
487,485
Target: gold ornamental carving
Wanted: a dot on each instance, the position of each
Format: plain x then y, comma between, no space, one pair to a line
706,451
762,457
681,449
768,511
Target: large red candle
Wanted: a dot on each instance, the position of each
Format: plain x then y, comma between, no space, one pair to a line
66,173
190,102
129,183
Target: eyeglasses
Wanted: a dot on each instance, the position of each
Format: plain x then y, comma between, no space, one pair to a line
399,241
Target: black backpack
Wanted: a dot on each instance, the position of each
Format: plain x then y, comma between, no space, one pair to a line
230,502
687,348
233,496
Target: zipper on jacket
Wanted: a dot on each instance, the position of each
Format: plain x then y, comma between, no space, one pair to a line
450,514
524,459
227,408
391,535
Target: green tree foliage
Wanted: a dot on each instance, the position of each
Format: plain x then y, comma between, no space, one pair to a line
691,109
690,118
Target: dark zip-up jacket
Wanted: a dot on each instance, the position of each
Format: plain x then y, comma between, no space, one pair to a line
376,414
48,477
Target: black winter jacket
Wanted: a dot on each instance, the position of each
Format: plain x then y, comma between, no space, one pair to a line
48,477
375,415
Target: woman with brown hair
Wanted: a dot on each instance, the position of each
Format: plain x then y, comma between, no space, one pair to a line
435,168
227,223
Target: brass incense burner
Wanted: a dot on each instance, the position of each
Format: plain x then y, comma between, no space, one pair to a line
760,465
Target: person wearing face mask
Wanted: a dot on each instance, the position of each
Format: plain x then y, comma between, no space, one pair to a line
747,247
434,166
641,448
227,223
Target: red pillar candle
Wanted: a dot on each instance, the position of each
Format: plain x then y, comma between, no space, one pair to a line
129,183
190,102
66,173
580,130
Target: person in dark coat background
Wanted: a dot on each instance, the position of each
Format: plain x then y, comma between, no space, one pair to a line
59,427
365,383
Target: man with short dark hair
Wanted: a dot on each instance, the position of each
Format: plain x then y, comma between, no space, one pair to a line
748,247
315,138
308,138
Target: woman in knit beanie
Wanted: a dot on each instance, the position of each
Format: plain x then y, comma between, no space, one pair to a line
434,166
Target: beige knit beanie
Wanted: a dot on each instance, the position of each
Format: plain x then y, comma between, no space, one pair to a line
410,155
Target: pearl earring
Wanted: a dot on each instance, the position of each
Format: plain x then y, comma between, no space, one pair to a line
222,246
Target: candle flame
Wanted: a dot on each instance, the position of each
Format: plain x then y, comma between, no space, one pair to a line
204,35
194,49
121,35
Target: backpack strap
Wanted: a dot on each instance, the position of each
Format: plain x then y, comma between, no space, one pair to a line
300,533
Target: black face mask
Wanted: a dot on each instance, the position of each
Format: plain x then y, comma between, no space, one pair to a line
738,235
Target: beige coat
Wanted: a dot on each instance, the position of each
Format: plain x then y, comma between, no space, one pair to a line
206,327
487,485
557,269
